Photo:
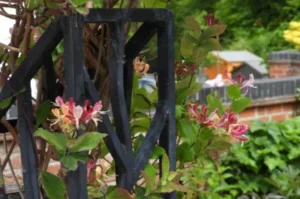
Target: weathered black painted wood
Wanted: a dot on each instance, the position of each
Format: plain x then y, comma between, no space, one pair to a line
27,144
32,63
132,48
112,141
49,86
79,86
166,89
117,98
147,146
127,15
74,87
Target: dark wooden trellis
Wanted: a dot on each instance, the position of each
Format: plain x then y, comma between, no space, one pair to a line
79,86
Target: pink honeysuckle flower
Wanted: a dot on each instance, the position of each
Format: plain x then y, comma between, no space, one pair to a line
182,71
59,101
77,114
211,20
237,131
202,117
240,81
226,120
90,165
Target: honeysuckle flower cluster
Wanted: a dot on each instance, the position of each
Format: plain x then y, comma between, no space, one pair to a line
69,116
240,81
226,122
182,70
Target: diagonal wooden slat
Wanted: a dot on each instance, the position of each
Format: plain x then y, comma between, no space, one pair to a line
112,141
151,138
32,63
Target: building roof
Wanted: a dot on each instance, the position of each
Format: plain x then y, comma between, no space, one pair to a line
243,56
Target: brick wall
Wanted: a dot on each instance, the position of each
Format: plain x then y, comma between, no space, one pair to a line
270,112
284,64
15,159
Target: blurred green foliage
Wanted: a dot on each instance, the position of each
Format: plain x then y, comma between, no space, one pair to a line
253,25
269,162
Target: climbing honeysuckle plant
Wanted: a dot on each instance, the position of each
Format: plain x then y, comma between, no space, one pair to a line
69,118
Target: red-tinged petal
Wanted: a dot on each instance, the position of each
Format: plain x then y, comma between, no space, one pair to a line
71,103
243,139
59,101
98,106
77,112
193,111
237,130
249,82
90,165
240,78
193,68
228,78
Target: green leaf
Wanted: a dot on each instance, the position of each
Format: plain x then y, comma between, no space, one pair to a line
220,145
184,153
210,45
273,162
57,140
186,47
181,94
157,152
43,112
53,186
87,141
165,167
240,104
184,83
69,162
294,153
77,3
137,142
199,54
194,89
274,131
212,31
5,103
32,4
257,125
214,103
119,193
154,4
142,123
192,24
178,111
79,157
83,10
94,192
233,92
52,5
149,173
186,129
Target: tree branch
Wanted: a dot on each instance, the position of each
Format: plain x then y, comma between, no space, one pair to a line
10,48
